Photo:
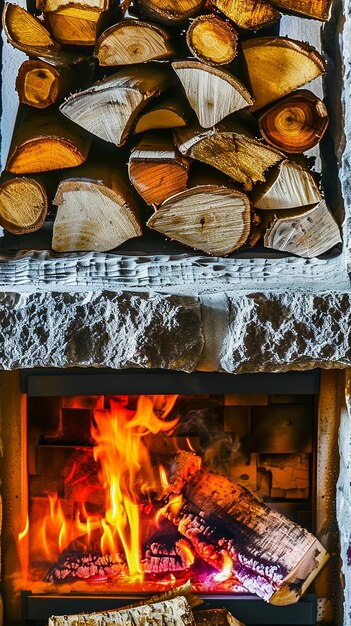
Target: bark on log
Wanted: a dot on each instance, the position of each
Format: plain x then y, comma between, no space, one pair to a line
23,204
211,218
109,108
248,14
170,113
213,93
44,141
235,153
40,84
296,124
156,169
170,12
175,612
212,40
269,554
307,233
131,41
289,186
317,9
215,617
291,64
96,209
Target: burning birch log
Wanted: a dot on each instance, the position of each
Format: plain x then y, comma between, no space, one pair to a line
212,40
23,204
95,210
170,12
109,108
40,84
156,169
44,142
307,233
291,64
131,42
211,218
237,534
213,93
290,185
296,124
175,612
248,14
236,154
170,113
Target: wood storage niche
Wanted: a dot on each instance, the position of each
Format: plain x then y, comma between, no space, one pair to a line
169,97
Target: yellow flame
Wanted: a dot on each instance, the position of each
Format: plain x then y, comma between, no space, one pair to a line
226,570
24,532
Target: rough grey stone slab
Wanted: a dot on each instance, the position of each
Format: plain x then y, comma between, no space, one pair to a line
100,329
280,331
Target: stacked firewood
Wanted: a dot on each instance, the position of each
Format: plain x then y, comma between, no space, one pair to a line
211,122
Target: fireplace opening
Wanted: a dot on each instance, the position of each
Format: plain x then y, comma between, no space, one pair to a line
128,494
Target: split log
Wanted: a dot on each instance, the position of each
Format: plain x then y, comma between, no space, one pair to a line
172,12
76,26
232,530
290,185
170,113
212,218
248,14
212,40
237,154
26,33
96,209
40,84
156,169
44,141
317,9
131,41
290,64
23,204
307,233
174,612
296,124
109,108
215,617
213,93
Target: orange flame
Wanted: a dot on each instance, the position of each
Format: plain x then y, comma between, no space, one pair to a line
24,532
226,570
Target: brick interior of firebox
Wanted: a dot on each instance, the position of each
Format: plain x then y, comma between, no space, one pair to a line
264,442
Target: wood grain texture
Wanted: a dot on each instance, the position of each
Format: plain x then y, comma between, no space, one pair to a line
23,204
169,11
213,93
131,41
248,14
289,186
317,9
76,27
277,66
212,40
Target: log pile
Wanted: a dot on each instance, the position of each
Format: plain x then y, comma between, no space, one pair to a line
166,86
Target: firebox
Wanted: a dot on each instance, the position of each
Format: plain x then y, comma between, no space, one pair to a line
128,482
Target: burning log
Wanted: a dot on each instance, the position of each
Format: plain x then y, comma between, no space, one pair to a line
156,169
40,84
308,233
89,566
296,124
212,40
212,218
248,14
215,617
170,113
131,42
291,185
23,204
234,152
213,93
95,210
291,64
235,533
44,142
174,612
109,108
168,554
170,12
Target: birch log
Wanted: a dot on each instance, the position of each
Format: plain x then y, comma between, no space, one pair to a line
175,612
213,93
109,108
